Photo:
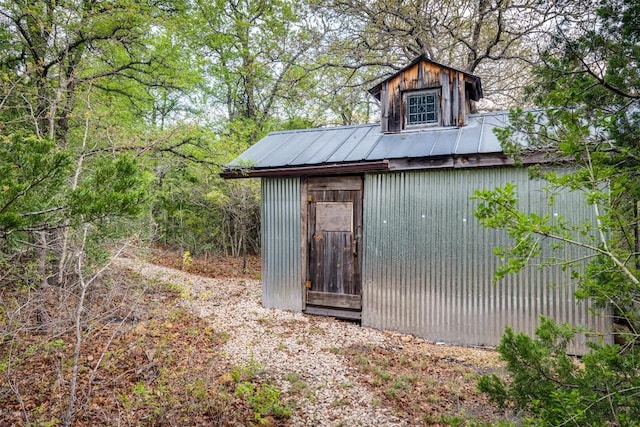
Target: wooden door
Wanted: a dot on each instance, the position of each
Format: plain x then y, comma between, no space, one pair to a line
334,229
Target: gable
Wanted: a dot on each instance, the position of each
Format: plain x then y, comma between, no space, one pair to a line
454,91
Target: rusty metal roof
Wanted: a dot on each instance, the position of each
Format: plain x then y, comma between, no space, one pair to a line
364,144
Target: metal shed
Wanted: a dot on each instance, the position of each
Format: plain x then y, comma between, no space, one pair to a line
377,226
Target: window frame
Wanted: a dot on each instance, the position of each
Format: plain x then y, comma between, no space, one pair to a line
438,113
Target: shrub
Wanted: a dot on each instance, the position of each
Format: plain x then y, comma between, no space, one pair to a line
553,388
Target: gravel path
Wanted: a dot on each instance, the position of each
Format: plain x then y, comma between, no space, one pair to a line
290,345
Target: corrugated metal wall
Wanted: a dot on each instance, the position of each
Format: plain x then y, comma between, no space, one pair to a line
429,264
281,244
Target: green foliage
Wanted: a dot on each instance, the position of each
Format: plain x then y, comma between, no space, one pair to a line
202,214
591,119
35,195
459,421
73,126
248,372
32,171
187,260
557,389
264,399
257,55
533,234
115,186
587,84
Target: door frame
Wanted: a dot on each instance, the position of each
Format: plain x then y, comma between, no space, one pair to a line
304,212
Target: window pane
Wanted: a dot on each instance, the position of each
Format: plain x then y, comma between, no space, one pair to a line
422,108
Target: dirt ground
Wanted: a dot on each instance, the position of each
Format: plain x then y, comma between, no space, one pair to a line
207,266
191,345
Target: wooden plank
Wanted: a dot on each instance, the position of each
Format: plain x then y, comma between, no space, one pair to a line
383,109
469,161
482,161
423,163
334,183
304,238
396,118
432,74
445,102
462,102
326,299
332,312
334,216
456,101
498,159
409,79
332,263
332,235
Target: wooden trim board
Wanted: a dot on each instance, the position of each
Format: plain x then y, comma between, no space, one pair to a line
327,299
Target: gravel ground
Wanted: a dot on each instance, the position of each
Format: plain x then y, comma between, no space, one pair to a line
286,344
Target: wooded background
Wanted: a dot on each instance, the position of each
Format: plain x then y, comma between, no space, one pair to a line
116,117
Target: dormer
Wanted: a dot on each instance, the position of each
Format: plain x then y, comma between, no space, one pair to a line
425,94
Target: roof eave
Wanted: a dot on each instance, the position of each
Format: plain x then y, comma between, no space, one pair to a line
322,169
471,160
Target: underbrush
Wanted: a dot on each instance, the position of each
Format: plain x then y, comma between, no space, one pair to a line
143,360
206,265
425,388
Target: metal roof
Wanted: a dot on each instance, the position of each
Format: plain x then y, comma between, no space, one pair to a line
365,143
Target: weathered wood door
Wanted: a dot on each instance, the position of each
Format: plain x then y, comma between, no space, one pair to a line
334,229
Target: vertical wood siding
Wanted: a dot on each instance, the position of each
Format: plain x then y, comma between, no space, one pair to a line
281,244
423,75
429,265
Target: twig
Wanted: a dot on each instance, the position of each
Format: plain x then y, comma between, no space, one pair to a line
84,285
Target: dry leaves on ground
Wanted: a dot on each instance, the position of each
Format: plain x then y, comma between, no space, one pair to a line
184,349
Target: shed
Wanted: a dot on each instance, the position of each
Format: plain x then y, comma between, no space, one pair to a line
375,222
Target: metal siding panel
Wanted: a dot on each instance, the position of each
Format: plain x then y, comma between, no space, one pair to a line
281,244
422,145
289,153
445,143
357,145
429,265
363,147
488,141
384,146
403,143
327,144
263,149
467,142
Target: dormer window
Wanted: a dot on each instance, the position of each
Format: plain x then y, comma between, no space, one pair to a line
421,108
425,94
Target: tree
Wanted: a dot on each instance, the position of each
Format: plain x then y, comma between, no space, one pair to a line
494,39
241,209
589,88
76,88
256,51
255,57
77,80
